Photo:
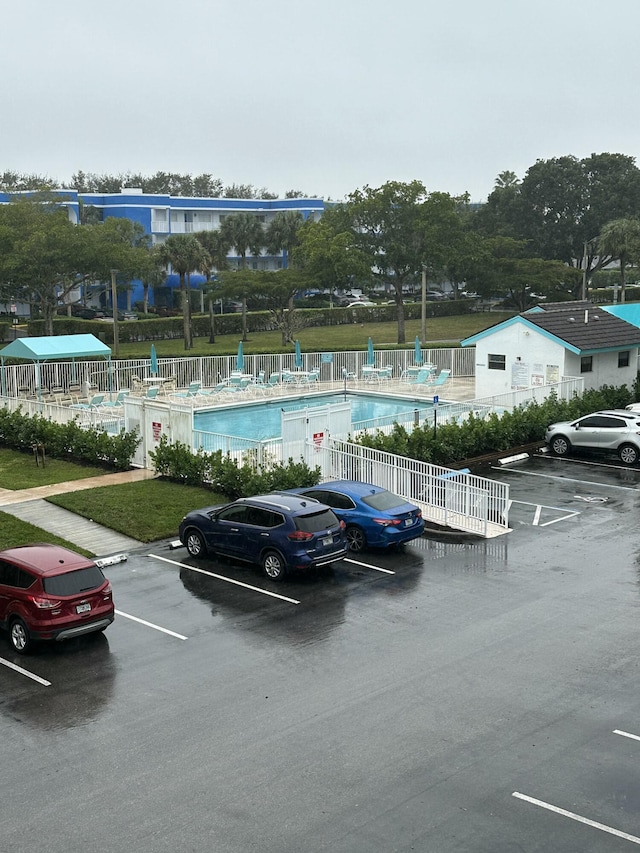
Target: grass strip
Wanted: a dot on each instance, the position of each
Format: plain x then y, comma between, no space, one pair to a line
17,532
147,511
19,470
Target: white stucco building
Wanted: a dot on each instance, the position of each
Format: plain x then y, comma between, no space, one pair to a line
552,342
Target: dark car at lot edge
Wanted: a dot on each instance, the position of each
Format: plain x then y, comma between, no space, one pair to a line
51,593
280,533
613,431
372,515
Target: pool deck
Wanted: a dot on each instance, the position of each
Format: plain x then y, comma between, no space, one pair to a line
455,390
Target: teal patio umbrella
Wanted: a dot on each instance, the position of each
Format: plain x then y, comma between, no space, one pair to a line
371,359
418,355
153,367
240,358
298,356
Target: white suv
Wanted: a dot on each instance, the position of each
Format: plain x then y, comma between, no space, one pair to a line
617,430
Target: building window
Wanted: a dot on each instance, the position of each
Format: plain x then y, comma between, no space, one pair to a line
261,218
586,364
159,215
497,362
623,358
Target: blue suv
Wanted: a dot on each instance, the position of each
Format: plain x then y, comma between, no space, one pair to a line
278,532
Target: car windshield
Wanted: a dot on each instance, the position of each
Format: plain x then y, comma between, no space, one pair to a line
74,583
383,500
315,521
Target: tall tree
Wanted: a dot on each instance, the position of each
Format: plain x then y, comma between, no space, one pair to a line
245,233
282,233
620,239
388,224
184,253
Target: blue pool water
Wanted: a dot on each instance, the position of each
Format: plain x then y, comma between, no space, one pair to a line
262,420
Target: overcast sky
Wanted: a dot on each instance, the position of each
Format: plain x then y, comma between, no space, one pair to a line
322,97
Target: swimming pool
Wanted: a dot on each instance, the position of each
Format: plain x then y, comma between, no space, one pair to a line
262,420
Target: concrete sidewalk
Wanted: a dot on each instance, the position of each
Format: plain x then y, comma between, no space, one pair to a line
31,505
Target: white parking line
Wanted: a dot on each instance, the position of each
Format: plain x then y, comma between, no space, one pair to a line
26,672
227,580
368,566
593,823
567,479
151,625
626,734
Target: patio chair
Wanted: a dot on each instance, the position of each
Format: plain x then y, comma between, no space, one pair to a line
152,393
423,377
191,391
346,374
441,378
117,403
93,403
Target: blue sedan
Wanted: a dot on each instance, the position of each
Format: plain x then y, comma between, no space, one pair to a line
372,515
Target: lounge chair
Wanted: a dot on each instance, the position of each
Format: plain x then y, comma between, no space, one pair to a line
191,391
93,403
423,377
441,378
117,403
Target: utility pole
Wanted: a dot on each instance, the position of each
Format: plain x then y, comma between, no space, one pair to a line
114,307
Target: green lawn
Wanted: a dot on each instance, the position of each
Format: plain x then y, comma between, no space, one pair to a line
147,511
19,471
441,332
16,532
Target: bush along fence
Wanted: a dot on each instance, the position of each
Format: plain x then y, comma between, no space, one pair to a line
67,441
223,474
478,435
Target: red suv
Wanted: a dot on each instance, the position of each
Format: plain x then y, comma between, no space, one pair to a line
51,593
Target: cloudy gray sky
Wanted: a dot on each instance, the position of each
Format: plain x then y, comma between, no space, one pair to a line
323,96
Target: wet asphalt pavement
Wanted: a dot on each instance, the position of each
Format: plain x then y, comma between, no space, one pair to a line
472,696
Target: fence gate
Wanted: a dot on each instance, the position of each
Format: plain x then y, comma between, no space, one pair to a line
306,433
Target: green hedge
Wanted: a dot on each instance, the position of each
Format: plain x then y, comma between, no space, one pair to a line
223,474
68,441
452,444
170,328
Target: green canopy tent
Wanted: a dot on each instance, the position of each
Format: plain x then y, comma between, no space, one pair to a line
53,348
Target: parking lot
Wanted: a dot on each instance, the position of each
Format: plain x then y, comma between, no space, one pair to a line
457,695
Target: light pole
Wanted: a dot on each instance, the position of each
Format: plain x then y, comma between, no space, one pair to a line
114,308
423,299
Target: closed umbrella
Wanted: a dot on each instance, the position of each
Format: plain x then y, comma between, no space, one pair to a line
371,359
240,358
298,356
153,367
418,355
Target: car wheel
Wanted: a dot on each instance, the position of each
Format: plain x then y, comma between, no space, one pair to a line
20,637
195,543
560,445
628,454
273,566
356,540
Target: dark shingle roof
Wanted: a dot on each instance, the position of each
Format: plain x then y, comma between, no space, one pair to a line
585,326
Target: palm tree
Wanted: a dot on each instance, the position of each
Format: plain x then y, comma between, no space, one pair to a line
620,238
282,233
184,253
244,233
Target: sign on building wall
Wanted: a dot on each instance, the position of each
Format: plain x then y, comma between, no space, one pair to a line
519,375
537,376
552,374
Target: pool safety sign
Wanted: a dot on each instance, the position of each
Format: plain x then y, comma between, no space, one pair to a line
318,438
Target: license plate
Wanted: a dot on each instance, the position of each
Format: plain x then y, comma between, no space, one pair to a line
83,608
408,522
328,540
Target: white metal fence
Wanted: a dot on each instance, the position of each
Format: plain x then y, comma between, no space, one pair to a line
451,498
22,380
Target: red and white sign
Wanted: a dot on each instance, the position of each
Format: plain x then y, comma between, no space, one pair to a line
318,438
156,426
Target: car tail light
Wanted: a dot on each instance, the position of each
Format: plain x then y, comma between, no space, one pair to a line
300,536
387,522
106,593
342,525
44,603
419,513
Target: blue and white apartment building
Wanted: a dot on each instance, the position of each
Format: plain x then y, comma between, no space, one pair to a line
162,215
